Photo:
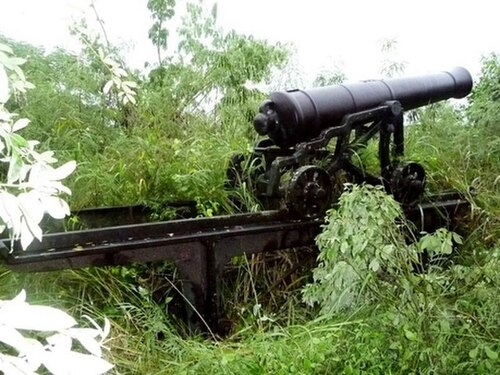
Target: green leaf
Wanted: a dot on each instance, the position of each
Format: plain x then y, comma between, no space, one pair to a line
490,353
15,166
457,238
444,325
374,265
473,353
131,84
410,335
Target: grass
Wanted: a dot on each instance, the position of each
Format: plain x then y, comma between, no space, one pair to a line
468,163
463,329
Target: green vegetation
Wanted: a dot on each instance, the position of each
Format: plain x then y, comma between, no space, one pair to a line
363,309
151,152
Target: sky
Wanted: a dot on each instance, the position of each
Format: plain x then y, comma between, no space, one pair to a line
431,35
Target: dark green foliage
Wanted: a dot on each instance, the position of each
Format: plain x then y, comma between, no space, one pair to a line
327,78
485,99
409,321
66,90
463,157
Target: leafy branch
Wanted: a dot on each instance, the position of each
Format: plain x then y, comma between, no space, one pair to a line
118,80
20,325
33,185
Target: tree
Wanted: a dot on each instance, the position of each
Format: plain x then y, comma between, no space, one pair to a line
212,67
327,78
390,66
485,98
161,12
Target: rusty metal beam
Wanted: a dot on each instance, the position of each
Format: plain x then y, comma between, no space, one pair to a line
199,248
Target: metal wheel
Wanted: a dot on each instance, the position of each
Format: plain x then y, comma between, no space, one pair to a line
309,192
408,183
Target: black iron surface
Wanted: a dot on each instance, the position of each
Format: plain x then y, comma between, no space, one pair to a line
294,116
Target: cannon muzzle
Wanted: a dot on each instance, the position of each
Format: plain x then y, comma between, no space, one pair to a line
295,116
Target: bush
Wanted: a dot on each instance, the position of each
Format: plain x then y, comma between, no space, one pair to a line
412,318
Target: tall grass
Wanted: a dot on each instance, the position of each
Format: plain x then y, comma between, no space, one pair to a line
460,156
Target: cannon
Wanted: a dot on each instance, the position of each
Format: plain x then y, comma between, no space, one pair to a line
301,170
295,116
295,172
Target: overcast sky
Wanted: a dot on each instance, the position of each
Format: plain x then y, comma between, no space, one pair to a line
432,35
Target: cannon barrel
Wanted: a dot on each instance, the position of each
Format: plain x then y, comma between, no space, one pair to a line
294,116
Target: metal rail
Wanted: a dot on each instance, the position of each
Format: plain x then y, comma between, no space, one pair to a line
199,248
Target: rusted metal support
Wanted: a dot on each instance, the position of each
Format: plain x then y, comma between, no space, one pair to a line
199,248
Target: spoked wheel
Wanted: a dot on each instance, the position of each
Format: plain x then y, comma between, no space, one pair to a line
309,192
